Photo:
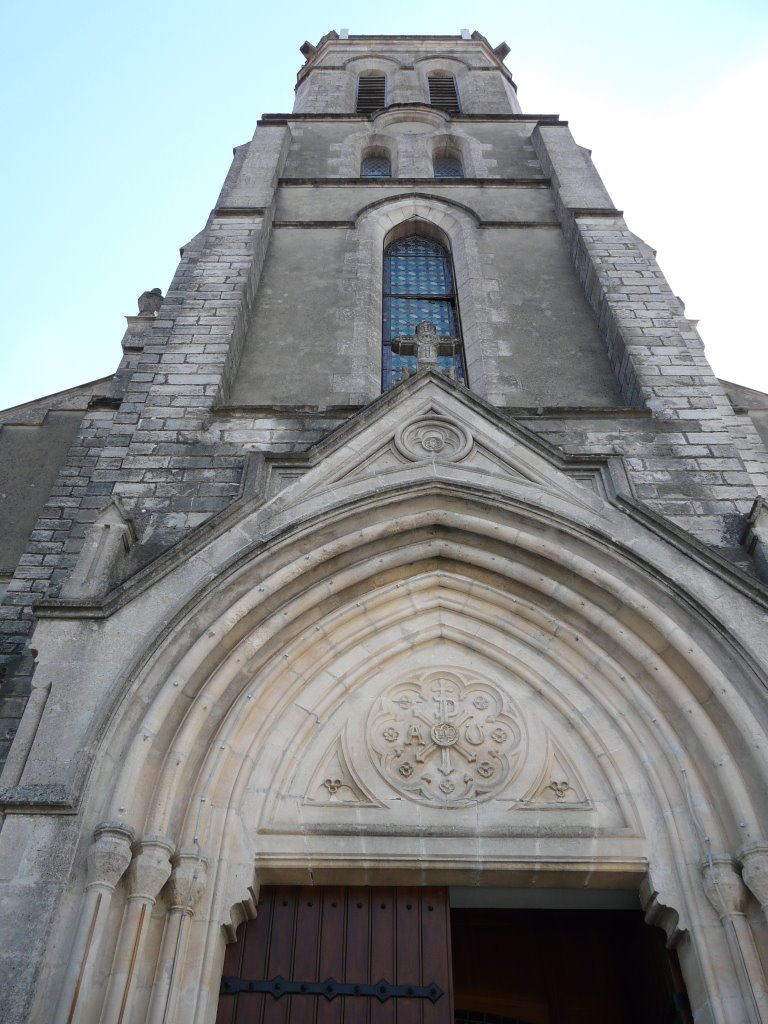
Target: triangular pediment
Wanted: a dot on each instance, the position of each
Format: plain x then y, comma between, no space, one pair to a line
430,428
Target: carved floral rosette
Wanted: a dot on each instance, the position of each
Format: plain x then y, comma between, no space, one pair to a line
445,739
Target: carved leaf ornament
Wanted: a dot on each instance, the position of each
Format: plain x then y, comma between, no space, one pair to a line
445,740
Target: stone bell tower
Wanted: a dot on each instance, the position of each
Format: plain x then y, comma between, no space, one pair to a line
408,573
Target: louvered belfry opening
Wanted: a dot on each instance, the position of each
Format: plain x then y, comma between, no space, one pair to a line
370,93
442,93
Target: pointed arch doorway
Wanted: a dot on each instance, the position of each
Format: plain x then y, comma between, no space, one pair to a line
403,955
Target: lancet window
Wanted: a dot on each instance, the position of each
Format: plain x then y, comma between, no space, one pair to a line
421,328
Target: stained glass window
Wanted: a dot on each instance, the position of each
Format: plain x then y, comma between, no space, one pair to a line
376,167
447,166
418,287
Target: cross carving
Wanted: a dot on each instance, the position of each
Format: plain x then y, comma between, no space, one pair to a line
427,346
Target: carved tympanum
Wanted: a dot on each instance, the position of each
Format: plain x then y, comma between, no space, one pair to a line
445,739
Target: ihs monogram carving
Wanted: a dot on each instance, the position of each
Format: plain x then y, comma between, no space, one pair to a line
446,740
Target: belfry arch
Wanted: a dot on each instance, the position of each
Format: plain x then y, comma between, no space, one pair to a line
282,672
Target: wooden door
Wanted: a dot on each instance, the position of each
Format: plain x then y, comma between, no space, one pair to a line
333,955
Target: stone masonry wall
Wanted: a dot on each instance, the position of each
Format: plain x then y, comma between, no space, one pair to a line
155,441
702,482
144,442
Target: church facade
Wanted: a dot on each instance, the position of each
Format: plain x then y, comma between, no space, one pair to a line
413,562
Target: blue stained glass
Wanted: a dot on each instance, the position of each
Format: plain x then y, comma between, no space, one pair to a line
422,276
415,245
418,286
447,167
376,167
406,314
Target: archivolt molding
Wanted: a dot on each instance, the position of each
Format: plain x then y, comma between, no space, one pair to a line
687,699
421,197
452,63
470,151
278,646
358,143
373,226
372,62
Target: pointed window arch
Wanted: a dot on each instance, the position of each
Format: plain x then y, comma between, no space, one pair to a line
421,325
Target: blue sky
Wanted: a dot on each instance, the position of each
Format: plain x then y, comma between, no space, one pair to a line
123,117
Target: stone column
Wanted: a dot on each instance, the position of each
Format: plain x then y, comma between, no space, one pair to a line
754,871
147,875
727,894
25,737
182,893
108,859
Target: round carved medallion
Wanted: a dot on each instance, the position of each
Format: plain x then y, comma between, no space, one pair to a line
433,437
446,739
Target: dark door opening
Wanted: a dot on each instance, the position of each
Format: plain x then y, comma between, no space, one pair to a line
357,955
563,967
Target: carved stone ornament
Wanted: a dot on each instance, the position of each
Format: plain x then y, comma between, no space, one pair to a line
754,859
433,438
724,887
445,739
150,867
109,855
188,879
335,782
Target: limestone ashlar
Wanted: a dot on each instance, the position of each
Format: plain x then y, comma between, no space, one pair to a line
498,629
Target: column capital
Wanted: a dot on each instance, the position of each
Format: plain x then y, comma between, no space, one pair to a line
723,886
754,870
188,880
109,855
150,867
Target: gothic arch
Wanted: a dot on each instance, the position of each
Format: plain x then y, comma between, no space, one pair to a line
313,607
456,576
373,225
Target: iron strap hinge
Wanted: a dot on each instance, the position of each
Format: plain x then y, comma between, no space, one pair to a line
330,988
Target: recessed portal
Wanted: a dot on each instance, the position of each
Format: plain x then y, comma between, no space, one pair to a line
317,955
558,966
